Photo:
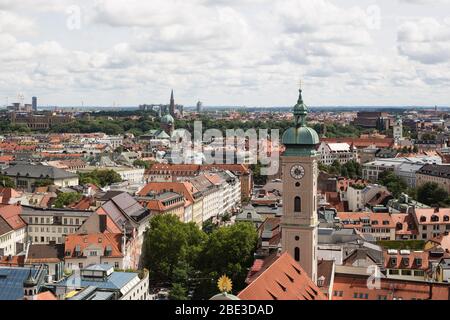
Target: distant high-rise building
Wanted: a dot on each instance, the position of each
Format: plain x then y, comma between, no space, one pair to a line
172,105
199,107
34,103
398,129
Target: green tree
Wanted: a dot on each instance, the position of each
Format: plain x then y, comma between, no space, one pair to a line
178,292
42,183
432,194
141,163
66,198
6,182
258,178
171,248
229,250
393,183
100,178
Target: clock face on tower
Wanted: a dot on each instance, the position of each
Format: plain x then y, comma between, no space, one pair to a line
297,172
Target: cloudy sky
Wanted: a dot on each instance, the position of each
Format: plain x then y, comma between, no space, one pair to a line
225,52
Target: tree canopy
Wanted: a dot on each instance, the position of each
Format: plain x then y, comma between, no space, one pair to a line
191,260
393,183
66,198
100,178
432,194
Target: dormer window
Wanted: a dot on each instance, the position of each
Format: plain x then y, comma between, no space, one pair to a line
423,219
434,218
393,261
405,261
419,262
446,218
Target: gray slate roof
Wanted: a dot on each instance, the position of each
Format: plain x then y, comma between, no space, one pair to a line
37,171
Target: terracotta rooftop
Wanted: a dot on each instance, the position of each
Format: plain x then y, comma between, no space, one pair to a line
283,279
354,287
405,259
105,241
432,216
377,220
11,214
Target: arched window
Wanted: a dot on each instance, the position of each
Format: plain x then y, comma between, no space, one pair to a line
297,204
297,254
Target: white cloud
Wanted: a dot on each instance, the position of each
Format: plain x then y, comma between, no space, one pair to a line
246,52
425,40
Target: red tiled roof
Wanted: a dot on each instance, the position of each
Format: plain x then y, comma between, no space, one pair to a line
284,279
355,287
406,261
443,241
47,295
111,226
11,214
362,142
406,221
357,216
98,239
443,215
185,188
14,261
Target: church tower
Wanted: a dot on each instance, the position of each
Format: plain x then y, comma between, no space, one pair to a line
299,223
172,105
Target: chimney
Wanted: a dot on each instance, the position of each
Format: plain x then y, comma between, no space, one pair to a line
102,222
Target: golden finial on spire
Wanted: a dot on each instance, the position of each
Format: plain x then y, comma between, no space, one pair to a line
225,285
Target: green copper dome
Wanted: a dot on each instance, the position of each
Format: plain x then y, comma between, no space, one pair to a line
301,139
167,119
301,136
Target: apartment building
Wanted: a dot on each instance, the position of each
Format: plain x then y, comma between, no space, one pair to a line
52,225
431,222
379,225
13,230
439,174
341,152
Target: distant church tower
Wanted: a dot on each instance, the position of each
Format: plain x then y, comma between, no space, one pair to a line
172,105
398,129
299,224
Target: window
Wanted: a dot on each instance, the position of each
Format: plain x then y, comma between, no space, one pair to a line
393,271
93,253
297,204
116,265
406,272
297,254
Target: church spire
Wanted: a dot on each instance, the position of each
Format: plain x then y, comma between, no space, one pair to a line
300,111
172,105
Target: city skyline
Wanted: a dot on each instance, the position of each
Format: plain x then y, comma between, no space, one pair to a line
226,53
